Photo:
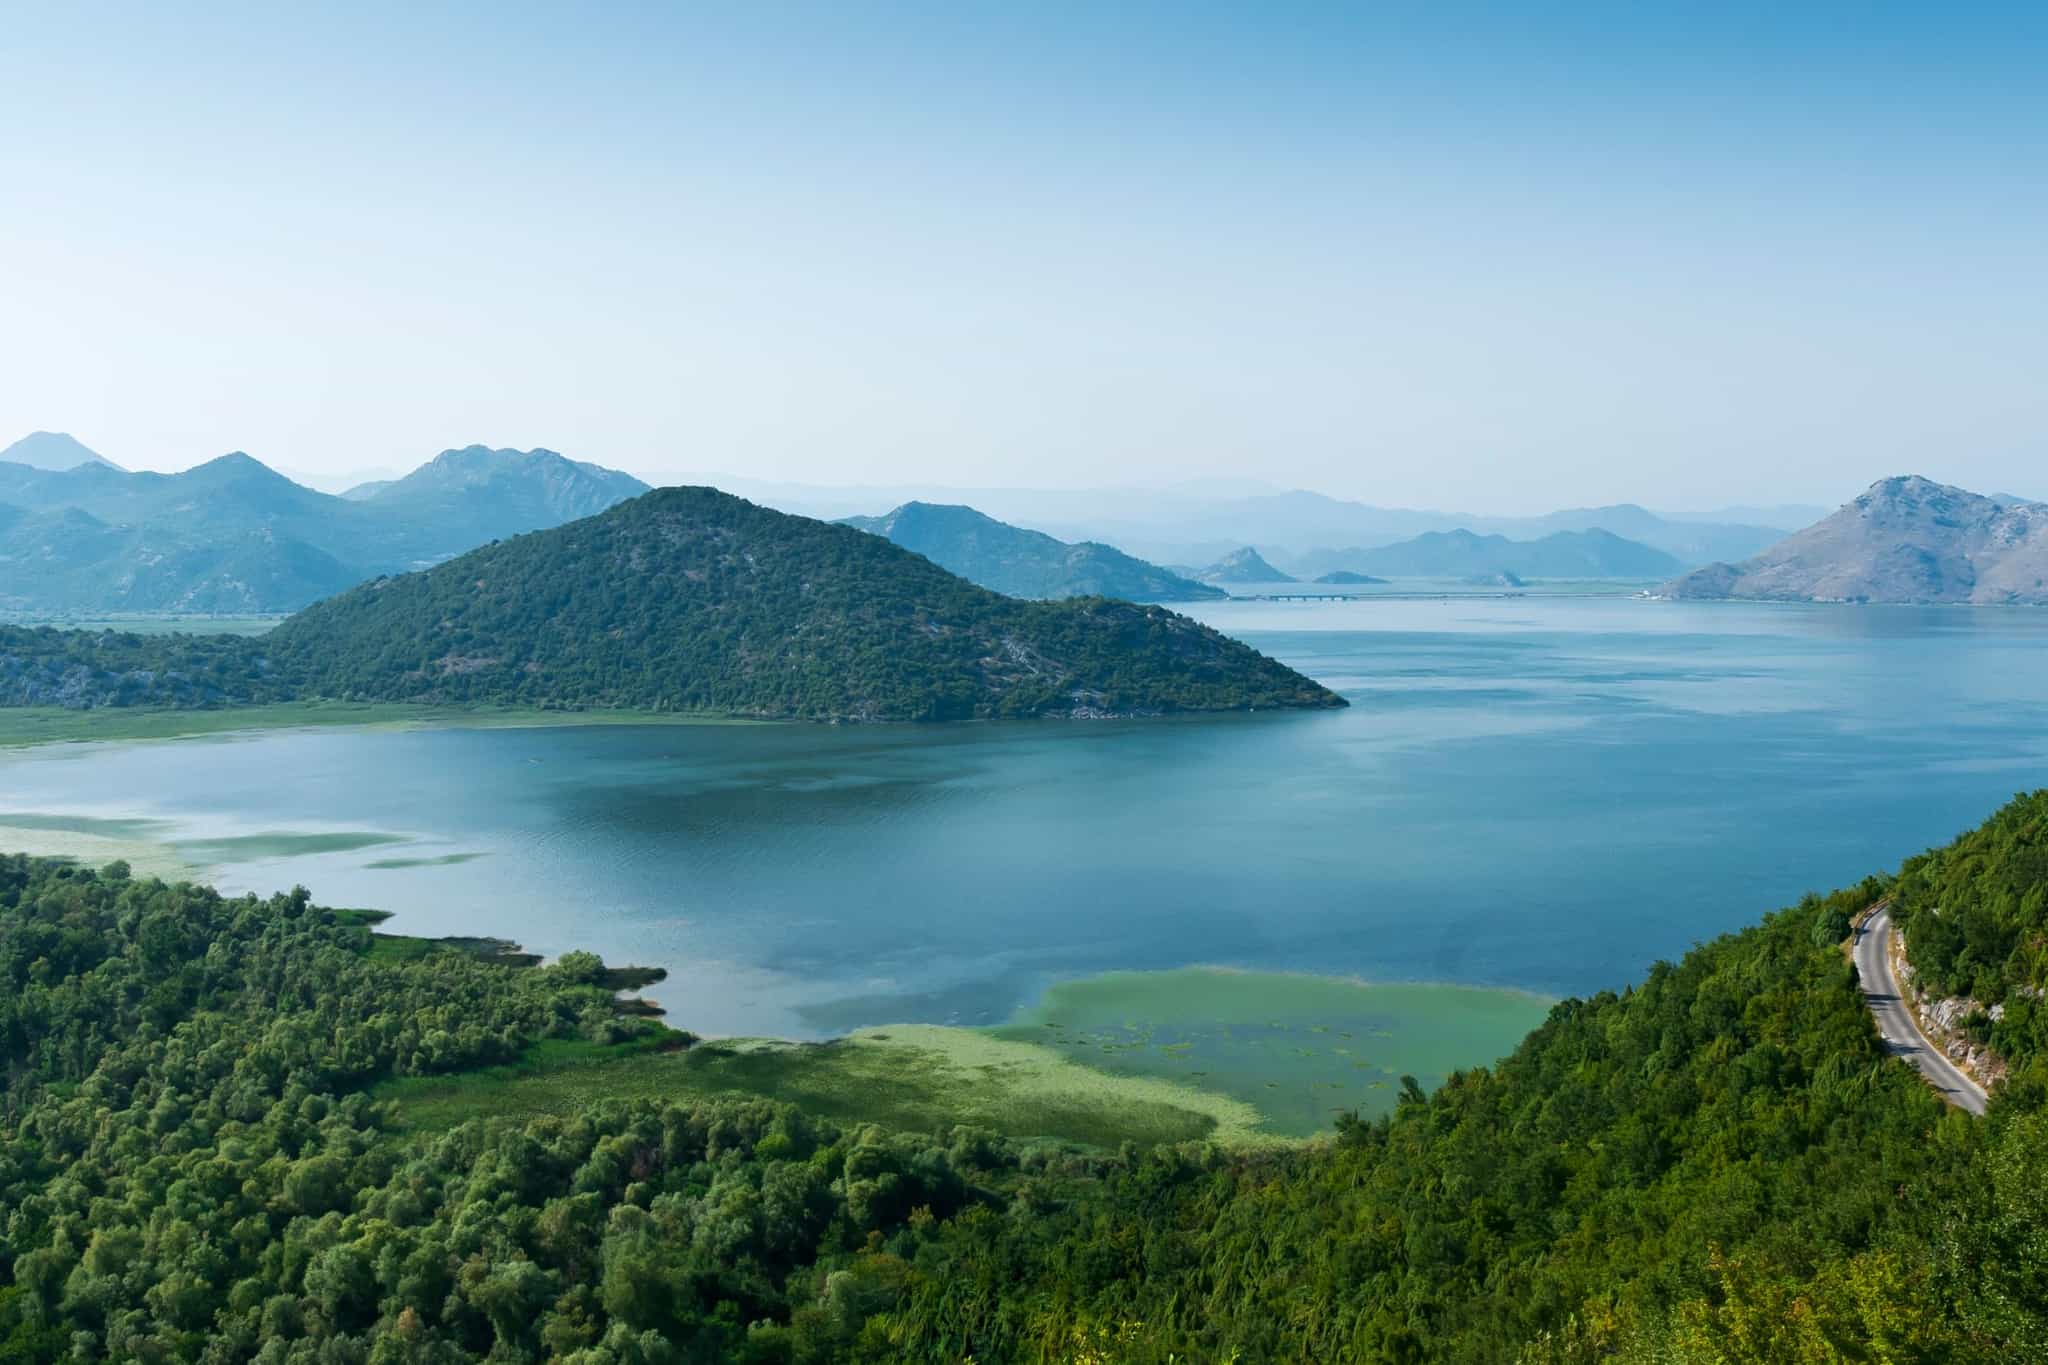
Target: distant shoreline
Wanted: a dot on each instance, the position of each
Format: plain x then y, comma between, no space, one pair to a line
24,727
28,727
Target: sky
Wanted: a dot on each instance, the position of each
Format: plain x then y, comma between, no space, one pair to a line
1495,257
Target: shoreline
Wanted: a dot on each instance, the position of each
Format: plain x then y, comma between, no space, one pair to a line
37,727
1155,1043
30,727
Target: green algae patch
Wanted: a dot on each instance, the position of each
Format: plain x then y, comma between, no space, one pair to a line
282,843
915,1077
99,826
144,842
1027,1089
437,860
95,843
1299,1049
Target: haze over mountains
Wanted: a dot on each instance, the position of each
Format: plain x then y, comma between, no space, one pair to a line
1591,553
1906,539
1021,563
475,494
1243,566
1202,521
54,450
79,534
235,536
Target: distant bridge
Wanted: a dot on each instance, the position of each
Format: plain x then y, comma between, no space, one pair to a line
1305,596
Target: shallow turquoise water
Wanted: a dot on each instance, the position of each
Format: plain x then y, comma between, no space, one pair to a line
1542,794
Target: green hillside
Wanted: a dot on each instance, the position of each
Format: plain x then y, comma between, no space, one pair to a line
691,599
1975,917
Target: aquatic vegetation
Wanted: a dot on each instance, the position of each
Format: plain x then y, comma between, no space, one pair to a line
1247,1028
437,860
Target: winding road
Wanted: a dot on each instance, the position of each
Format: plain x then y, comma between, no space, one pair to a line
1902,1035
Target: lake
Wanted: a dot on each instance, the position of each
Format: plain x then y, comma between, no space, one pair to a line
1529,793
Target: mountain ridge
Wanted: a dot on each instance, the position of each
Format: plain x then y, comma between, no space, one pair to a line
1018,562
56,451
1244,566
1195,522
1593,553
251,540
1905,539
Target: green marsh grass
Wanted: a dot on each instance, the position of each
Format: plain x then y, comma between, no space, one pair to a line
909,1077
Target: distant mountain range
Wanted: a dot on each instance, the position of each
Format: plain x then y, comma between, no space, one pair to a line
1289,526
1784,516
1244,566
52,450
684,599
1906,539
1198,522
475,494
1688,542
233,535
1021,563
1464,554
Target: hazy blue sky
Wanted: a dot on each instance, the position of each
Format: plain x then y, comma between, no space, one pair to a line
1487,256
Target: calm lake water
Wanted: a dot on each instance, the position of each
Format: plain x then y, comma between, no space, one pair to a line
1532,793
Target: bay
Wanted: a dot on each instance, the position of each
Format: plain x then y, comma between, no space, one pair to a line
1541,795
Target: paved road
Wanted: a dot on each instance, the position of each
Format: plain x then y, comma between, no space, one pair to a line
1902,1035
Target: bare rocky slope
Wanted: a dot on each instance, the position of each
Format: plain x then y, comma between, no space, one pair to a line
1906,539
1243,566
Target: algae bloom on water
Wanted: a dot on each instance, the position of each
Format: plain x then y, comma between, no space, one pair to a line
1301,1049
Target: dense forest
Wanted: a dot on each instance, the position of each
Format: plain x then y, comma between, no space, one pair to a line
1721,1164
1975,916
44,666
685,599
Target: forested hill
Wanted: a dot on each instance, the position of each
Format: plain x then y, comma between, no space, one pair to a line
1975,919
1721,1165
692,599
